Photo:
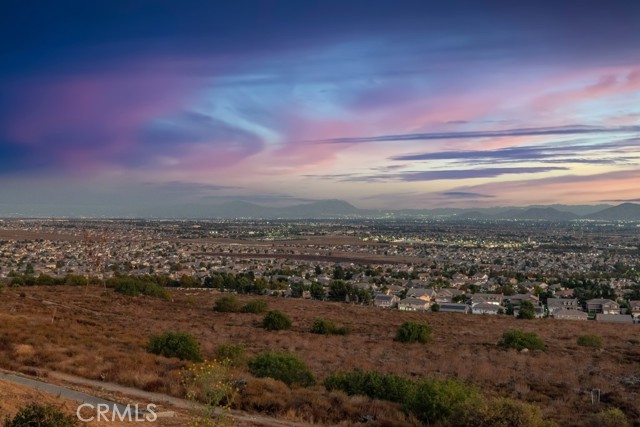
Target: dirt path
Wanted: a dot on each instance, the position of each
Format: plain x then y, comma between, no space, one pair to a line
242,418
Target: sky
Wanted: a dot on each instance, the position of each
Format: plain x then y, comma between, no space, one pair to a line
142,105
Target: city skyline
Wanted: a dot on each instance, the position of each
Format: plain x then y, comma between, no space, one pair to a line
147,105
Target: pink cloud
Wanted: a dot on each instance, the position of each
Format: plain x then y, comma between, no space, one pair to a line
90,119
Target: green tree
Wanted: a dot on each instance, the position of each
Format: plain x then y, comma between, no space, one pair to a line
317,291
527,310
338,290
29,269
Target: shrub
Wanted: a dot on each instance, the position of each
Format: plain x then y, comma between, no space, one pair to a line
284,367
175,344
594,341
210,387
613,417
434,400
327,327
371,384
41,415
435,307
131,286
502,412
276,321
520,340
255,306
227,304
414,332
235,354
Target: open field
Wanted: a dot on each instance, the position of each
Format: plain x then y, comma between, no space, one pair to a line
101,335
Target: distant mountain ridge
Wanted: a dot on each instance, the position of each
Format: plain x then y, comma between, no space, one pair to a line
340,209
538,214
335,208
623,212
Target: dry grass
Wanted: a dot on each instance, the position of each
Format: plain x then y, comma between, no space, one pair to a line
13,397
102,336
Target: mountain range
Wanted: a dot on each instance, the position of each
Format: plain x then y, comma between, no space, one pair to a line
339,209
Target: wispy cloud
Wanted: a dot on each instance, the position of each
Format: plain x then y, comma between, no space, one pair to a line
268,198
541,131
187,187
622,200
466,195
569,152
451,174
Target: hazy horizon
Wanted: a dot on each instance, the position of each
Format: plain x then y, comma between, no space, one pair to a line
137,106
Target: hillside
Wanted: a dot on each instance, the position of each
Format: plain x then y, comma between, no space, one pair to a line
102,335
623,212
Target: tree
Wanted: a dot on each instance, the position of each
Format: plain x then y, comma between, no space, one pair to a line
338,273
509,311
297,289
29,269
317,291
527,310
338,290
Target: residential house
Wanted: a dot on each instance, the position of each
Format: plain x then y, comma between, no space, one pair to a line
537,310
422,293
635,309
565,293
614,318
555,304
570,314
447,295
518,298
385,301
495,299
604,306
394,289
413,304
452,307
485,308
